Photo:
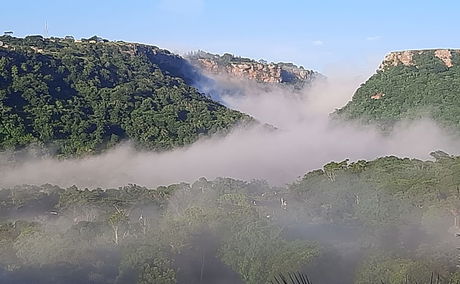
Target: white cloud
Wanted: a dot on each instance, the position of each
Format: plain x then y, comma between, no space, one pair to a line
373,38
318,42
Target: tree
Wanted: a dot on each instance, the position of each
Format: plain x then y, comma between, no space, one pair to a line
118,222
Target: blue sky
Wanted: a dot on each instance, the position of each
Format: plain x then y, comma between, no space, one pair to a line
322,35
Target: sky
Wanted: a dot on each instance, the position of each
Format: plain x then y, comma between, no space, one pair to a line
327,35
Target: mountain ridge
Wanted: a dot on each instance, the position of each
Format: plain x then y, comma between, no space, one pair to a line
410,84
84,96
405,57
260,71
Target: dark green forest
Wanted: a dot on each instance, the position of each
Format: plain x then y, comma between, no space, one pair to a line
427,89
80,97
389,220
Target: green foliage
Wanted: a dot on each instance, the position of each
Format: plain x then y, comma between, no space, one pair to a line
148,229
221,60
386,190
84,97
427,89
400,213
144,264
393,271
405,208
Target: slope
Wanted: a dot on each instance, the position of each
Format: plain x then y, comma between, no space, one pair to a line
84,96
410,85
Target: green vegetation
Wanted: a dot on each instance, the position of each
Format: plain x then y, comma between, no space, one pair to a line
84,97
426,89
220,60
399,212
139,235
390,220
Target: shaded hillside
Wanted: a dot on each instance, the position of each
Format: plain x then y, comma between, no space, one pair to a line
410,84
84,96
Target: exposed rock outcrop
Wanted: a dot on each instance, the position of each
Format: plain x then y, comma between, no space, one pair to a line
445,55
267,73
244,68
397,58
407,57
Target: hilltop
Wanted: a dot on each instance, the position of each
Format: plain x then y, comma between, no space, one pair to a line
84,96
408,85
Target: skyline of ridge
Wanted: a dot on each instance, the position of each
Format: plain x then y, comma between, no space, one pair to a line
353,35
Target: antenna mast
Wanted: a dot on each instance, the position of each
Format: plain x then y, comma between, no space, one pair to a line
46,29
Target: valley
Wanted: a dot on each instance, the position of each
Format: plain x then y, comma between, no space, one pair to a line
126,163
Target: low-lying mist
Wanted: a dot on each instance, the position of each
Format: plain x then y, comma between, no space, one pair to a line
305,139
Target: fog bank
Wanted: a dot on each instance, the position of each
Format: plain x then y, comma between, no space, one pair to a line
305,139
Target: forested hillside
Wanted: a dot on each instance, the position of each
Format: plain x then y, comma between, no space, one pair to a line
390,220
410,84
78,97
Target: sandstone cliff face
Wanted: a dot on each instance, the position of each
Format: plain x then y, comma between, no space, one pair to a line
267,73
406,57
253,70
445,55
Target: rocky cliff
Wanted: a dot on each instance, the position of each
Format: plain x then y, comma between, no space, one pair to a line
244,68
409,57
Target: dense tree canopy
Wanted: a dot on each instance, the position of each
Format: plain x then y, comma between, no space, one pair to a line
428,88
389,220
83,97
